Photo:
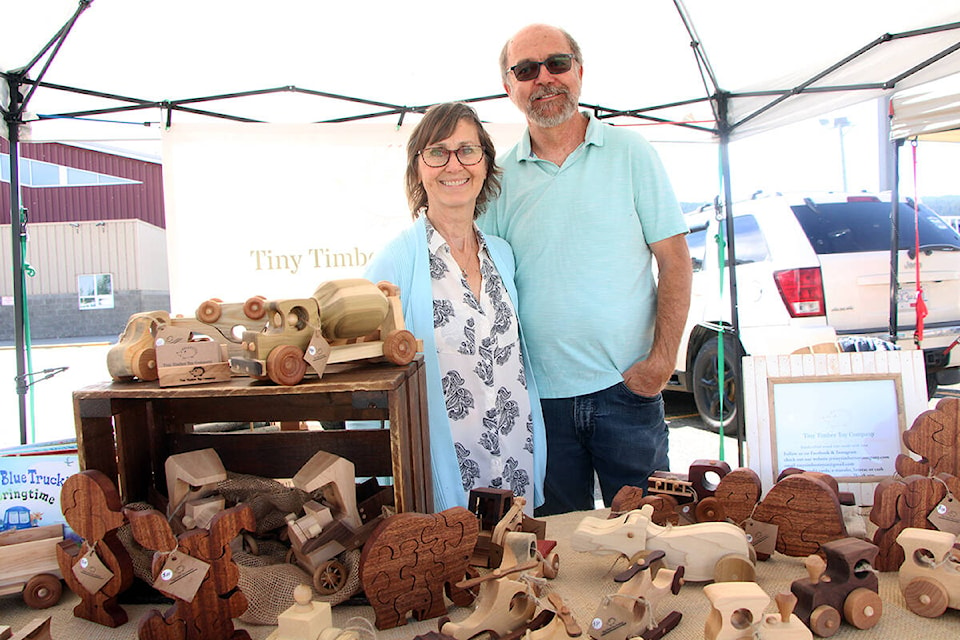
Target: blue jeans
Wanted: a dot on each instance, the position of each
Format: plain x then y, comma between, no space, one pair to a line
616,433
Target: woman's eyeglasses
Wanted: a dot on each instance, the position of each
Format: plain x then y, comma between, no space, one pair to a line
530,69
468,154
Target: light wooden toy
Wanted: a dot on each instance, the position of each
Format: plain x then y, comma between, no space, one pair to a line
506,600
634,609
36,629
191,476
707,550
344,320
306,618
845,587
737,612
930,573
29,566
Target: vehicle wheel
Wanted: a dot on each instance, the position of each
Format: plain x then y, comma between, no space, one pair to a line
734,568
254,308
42,591
285,365
862,608
709,510
824,621
399,347
551,565
144,365
707,385
209,311
330,577
926,597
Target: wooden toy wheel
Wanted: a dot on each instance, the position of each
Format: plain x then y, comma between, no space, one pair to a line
144,365
42,590
209,311
734,568
254,308
862,608
709,510
285,365
926,597
399,347
551,565
330,577
824,621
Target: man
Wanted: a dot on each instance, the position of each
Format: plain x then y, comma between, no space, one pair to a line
587,208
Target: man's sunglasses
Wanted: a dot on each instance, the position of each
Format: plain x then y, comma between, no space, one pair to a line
555,64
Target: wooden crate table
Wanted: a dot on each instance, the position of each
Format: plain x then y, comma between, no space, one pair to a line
127,429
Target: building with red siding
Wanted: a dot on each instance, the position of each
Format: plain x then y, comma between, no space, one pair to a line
96,240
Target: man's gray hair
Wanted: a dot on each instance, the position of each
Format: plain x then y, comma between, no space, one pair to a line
574,49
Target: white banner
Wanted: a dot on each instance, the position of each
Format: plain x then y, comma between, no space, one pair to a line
277,209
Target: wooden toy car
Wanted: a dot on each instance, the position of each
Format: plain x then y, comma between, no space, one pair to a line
737,611
344,320
707,550
338,524
633,610
930,573
134,355
844,587
678,498
28,564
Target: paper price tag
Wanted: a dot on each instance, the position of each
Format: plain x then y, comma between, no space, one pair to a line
762,535
687,514
318,352
90,570
946,515
180,576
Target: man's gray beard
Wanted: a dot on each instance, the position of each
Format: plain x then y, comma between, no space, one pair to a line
547,121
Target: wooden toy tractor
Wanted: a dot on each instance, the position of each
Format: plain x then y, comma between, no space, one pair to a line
344,320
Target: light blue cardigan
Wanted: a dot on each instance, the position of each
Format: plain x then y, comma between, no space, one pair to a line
405,262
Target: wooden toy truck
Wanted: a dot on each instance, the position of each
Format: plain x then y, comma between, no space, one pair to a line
28,564
844,587
344,320
930,573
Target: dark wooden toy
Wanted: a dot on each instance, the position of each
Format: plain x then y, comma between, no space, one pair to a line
935,436
218,600
842,588
899,503
91,506
806,509
674,494
411,559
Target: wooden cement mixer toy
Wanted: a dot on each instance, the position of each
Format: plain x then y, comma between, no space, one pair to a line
930,573
344,320
507,598
633,611
707,550
737,611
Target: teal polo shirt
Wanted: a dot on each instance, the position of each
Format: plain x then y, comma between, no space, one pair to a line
580,235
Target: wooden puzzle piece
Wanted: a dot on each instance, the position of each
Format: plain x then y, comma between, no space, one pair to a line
410,559
935,437
91,506
218,598
806,510
738,493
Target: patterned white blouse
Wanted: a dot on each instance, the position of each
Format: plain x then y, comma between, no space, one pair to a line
484,384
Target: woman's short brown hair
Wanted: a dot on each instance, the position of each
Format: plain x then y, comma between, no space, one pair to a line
438,124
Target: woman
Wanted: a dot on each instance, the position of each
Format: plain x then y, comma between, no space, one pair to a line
458,296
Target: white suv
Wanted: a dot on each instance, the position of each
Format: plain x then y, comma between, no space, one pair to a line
811,270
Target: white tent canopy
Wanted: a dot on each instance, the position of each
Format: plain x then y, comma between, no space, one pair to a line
930,111
770,63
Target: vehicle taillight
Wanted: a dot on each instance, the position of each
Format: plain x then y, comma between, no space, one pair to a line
802,291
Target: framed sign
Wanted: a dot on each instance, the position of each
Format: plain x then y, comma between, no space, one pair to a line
847,426
838,413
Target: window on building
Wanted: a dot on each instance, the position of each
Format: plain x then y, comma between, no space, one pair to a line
96,291
36,173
